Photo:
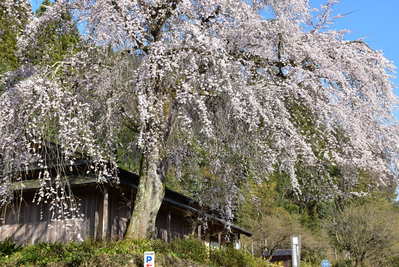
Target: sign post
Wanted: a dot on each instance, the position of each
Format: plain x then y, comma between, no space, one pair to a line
296,251
149,259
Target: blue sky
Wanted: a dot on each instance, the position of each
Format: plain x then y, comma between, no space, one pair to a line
377,22
35,3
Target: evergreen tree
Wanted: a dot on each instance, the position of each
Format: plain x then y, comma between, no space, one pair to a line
14,15
57,38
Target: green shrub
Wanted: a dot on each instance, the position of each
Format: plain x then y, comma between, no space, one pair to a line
71,254
393,261
343,263
106,260
160,246
76,253
180,252
192,249
230,257
8,247
41,254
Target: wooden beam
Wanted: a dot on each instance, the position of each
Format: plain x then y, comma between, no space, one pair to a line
34,184
169,226
199,231
165,235
97,221
105,215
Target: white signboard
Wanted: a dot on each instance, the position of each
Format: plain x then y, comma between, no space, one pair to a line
149,259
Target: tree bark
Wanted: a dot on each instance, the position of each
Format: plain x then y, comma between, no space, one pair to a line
149,198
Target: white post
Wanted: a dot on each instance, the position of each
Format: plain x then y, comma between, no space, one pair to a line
296,251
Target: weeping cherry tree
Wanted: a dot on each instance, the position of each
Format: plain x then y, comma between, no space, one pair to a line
214,71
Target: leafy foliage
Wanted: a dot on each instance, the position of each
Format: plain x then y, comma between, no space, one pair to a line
232,257
8,247
12,23
190,249
121,253
274,218
364,232
56,40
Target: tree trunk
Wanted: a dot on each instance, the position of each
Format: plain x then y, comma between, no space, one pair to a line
149,198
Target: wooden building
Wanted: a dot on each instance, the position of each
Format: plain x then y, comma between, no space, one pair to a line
106,210
281,256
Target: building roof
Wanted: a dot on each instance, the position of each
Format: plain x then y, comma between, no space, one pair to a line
282,252
279,253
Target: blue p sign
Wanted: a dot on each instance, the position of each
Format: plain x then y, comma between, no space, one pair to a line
149,259
325,263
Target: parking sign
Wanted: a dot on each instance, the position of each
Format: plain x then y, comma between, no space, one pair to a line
149,259
325,263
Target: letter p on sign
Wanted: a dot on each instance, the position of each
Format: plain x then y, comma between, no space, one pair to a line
149,259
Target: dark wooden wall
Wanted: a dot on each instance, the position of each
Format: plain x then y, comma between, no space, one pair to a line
106,212
27,222
173,223
120,211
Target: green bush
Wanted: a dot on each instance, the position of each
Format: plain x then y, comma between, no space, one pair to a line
180,252
192,249
343,263
393,261
41,254
230,257
76,253
71,254
160,246
8,247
